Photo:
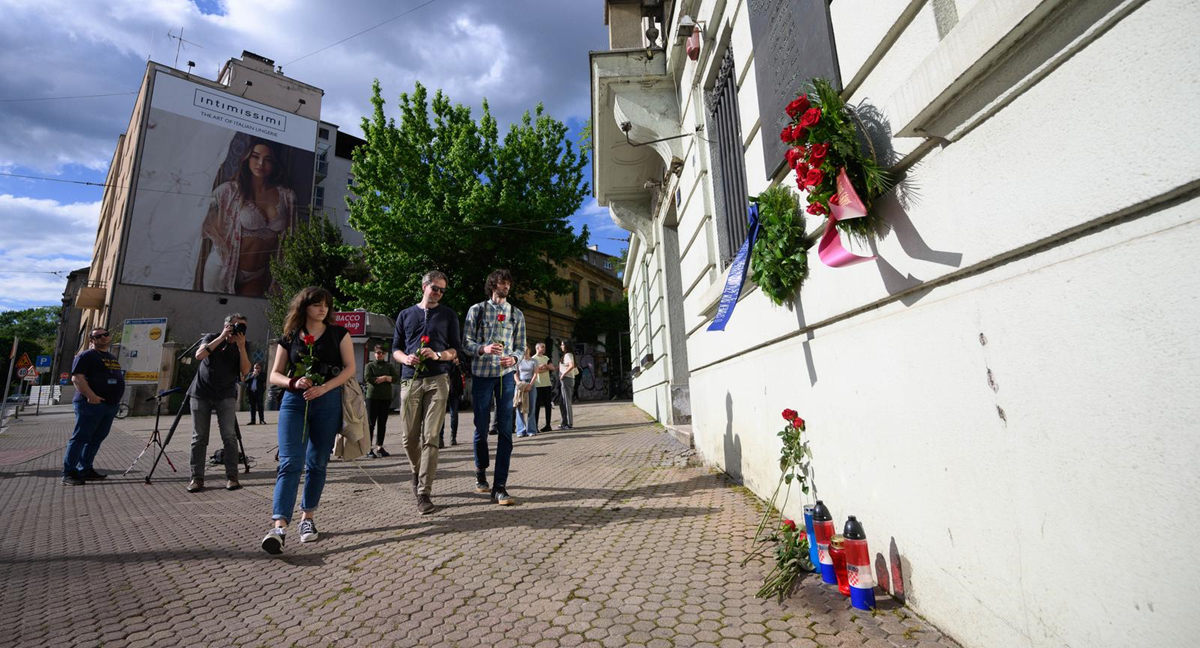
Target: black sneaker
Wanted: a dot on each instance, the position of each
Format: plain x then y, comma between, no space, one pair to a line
547,428
273,543
501,497
372,455
91,475
424,504
383,453
73,479
493,432
481,482
308,531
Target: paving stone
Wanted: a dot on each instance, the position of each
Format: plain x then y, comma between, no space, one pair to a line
647,552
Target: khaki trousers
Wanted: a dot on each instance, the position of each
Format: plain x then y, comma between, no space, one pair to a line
422,408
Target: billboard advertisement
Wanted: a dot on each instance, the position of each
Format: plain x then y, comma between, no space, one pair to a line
141,349
221,179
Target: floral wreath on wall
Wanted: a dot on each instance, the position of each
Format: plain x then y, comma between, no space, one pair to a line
829,162
779,261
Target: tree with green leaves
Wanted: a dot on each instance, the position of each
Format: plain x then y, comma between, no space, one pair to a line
38,328
311,254
440,190
602,318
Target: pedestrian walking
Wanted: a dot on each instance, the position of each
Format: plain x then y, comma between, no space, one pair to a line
256,391
425,342
314,359
223,360
566,385
495,338
525,396
458,383
99,384
543,386
380,374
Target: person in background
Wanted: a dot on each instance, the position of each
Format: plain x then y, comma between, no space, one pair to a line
256,390
543,386
314,359
566,381
380,375
525,397
99,383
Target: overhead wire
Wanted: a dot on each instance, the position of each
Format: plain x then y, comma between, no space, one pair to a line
91,96
360,33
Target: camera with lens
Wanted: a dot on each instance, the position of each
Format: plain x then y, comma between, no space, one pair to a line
239,328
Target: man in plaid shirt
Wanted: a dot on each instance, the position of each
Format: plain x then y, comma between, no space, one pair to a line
495,339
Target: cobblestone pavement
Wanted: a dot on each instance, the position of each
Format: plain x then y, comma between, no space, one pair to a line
619,539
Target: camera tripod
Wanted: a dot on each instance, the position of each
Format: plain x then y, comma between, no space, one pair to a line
187,406
155,437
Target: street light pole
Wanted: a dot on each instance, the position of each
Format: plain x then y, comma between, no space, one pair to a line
12,360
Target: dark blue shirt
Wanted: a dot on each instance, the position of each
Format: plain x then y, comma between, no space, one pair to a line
103,374
440,323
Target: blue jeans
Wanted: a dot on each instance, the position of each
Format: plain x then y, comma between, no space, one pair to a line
92,424
527,423
482,392
311,454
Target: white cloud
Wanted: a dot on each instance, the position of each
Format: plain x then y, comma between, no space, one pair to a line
41,237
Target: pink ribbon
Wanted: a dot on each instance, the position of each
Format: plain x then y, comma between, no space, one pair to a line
843,206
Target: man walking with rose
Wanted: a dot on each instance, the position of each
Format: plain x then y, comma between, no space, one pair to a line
425,343
495,338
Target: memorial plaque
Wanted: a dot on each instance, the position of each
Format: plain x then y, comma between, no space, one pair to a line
793,42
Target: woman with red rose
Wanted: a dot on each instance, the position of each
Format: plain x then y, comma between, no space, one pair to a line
310,414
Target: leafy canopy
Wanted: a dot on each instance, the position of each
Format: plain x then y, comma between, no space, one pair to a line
441,191
311,254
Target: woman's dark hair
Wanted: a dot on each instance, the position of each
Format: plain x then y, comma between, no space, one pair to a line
567,342
297,310
495,278
278,174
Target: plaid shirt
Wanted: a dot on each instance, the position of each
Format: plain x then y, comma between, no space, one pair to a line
484,327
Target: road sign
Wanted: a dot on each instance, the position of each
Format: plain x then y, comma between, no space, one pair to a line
43,363
64,376
24,362
32,376
23,371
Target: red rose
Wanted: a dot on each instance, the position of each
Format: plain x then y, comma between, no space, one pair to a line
816,209
798,106
810,118
309,340
814,177
424,339
798,422
799,133
817,153
794,156
789,525
789,414
786,133
500,317
800,181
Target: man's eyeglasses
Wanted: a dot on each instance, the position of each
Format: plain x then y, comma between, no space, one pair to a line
437,289
97,336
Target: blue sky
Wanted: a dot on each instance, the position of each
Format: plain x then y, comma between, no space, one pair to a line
515,53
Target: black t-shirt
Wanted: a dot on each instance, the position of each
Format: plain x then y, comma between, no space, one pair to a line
327,350
103,373
440,323
217,377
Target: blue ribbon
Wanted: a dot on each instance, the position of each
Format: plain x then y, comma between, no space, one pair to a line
737,275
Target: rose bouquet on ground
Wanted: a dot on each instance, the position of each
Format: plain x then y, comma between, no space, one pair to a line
824,140
791,559
791,544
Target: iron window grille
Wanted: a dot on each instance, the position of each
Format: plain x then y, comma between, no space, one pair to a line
729,160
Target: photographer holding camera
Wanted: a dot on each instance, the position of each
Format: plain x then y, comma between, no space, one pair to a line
223,360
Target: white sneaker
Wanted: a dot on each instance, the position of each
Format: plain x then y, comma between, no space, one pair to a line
273,543
308,531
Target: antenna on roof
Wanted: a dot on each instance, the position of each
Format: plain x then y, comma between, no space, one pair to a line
179,45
